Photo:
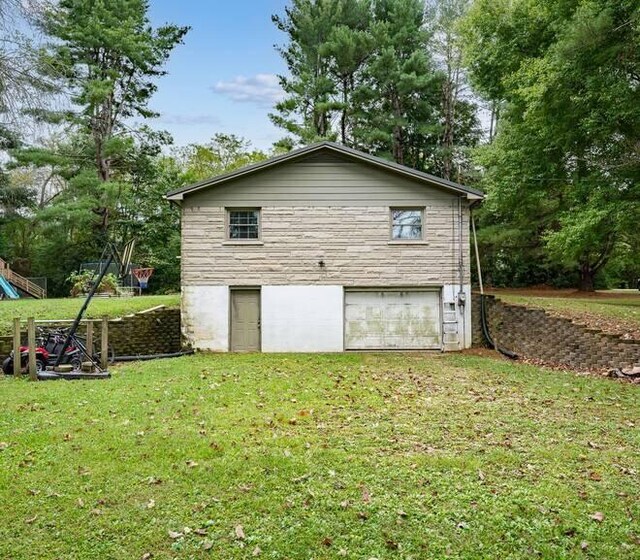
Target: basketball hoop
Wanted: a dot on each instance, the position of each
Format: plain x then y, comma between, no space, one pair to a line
142,276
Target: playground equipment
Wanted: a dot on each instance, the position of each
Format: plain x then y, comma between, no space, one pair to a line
142,276
8,289
10,281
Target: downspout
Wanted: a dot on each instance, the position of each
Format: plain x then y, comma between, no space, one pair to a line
483,309
462,297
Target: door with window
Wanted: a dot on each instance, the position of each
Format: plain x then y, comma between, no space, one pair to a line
245,320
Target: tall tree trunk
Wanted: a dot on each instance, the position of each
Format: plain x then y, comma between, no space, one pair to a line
398,132
587,278
343,118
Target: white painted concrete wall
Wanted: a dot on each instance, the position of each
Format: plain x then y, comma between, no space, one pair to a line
205,317
302,318
462,313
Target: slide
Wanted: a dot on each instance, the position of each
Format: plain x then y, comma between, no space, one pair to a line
8,289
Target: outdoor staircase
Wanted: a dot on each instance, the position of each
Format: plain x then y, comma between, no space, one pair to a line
21,282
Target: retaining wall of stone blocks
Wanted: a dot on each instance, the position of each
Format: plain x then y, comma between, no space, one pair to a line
534,333
154,331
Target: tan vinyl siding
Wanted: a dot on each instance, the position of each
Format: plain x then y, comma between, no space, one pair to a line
319,181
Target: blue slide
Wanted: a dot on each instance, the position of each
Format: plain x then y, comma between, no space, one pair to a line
8,289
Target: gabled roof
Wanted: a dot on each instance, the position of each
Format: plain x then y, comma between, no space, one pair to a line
432,180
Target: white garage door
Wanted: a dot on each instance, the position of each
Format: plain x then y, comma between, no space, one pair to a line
392,320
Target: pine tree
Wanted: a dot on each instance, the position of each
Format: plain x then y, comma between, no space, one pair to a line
308,109
398,97
105,54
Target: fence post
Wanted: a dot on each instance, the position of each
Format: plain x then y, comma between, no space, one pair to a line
104,346
17,359
89,339
31,342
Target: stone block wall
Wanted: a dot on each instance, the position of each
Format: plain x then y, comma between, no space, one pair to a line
535,334
154,331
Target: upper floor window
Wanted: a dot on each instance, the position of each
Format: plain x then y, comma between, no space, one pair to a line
407,224
243,224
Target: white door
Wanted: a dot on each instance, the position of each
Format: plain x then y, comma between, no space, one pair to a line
392,320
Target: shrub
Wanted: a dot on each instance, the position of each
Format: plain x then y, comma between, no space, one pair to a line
81,283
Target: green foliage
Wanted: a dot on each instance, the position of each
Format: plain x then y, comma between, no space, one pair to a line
224,153
81,283
101,178
363,72
564,167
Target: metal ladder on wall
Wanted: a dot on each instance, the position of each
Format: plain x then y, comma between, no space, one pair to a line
450,325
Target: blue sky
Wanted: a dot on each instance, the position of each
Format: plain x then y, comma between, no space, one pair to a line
223,79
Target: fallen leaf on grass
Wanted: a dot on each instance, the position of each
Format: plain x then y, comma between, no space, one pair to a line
327,541
595,476
175,535
240,532
207,544
192,464
593,445
597,516
150,504
31,519
366,496
3,445
584,545
480,475
146,556
201,532
256,551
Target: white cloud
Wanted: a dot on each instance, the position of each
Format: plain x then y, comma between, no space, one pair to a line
188,120
261,89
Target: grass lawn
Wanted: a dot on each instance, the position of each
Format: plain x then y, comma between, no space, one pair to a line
67,308
616,311
321,456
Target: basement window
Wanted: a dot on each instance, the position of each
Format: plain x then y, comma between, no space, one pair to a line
406,224
243,224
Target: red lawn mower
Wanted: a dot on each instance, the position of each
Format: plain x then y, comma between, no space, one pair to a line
48,346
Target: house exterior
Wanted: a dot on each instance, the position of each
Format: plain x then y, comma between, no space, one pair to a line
326,249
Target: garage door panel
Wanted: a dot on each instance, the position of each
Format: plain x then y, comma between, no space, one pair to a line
392,320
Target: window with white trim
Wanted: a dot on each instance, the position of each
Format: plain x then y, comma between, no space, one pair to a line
407,224
243,224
